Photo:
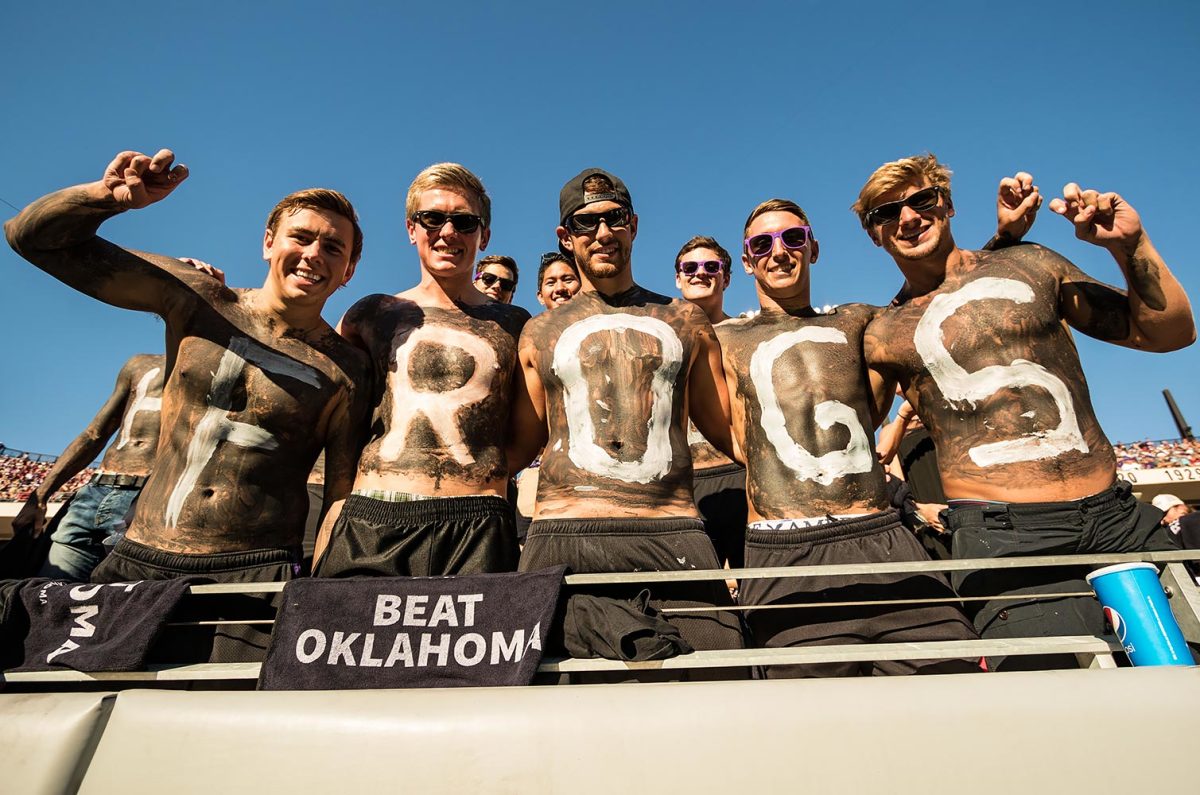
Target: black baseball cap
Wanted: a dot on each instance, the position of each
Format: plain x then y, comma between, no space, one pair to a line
591,185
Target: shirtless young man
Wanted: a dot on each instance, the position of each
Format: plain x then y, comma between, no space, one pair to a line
612,377
257,383
496,277
429,497
101,507
702,271
980,343
803,408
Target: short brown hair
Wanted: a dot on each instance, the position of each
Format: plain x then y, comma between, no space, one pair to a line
704,241
775,206
921,168
452,177
319,199
497,259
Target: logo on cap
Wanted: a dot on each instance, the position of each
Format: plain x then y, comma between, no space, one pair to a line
597,188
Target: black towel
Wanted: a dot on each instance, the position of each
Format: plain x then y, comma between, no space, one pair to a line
385,632
87,627
616,629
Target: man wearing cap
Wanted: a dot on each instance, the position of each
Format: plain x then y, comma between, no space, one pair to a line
429,496
496,277
980,343
611,378
101,507
702,271
1172,507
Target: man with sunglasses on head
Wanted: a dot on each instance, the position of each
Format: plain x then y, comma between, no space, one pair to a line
702,271
611,378
803,411
558,279
980,343
429,496
496,277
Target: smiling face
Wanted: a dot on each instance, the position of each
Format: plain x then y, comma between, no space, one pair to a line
444,252
783,273
915,235
559,285
701,285
496,290
605,252
309,255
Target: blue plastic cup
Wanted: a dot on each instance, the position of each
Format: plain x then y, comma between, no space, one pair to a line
1136,605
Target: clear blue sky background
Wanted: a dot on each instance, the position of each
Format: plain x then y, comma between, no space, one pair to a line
703,109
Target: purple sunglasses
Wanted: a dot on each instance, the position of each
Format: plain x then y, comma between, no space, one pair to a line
794,237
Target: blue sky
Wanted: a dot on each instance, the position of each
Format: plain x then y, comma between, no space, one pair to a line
703,109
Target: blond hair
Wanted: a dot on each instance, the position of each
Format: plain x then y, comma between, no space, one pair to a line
775,206
921,168
455,178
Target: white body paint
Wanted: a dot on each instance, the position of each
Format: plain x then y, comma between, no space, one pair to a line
581,438
856,457
216,427
439,408
959,386
140,403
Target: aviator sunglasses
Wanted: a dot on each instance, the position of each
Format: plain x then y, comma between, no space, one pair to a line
712,267
922,201
433,220
793,238
488,279
582,223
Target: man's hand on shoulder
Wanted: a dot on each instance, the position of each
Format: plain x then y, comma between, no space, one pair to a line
134,180
1103,219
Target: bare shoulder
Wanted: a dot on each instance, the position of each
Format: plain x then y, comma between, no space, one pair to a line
509,317
857,315
1026,261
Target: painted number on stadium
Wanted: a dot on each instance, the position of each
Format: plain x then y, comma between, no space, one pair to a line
964,389
856,457
581,428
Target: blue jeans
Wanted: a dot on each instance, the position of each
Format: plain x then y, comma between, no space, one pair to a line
96,513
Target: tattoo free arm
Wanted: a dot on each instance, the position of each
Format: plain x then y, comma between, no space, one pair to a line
708,396
82,450
57,233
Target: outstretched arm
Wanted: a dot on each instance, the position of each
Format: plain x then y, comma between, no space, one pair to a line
1017,203
57,233
1154,314
79,453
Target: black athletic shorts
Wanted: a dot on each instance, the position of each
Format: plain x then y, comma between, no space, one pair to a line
1111,521
876,538
424,538
130,561
720,494
627,545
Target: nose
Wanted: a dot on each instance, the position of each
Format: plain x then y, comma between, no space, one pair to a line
313,250
603,229
908,215
778,250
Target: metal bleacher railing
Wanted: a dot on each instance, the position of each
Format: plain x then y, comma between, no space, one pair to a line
1090,651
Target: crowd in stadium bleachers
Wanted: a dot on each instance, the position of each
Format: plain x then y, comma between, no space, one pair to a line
20,475
1158,454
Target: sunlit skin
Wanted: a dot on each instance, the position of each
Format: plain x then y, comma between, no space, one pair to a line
308,254
920,242
603,255
447,256
559,285
496,292
705,290
782,277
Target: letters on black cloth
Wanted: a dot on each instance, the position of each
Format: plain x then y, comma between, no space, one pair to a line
384,632
52,624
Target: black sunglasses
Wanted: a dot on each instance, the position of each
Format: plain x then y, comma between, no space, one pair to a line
582,223
794,237
433,220
712,267
488,279
922,201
